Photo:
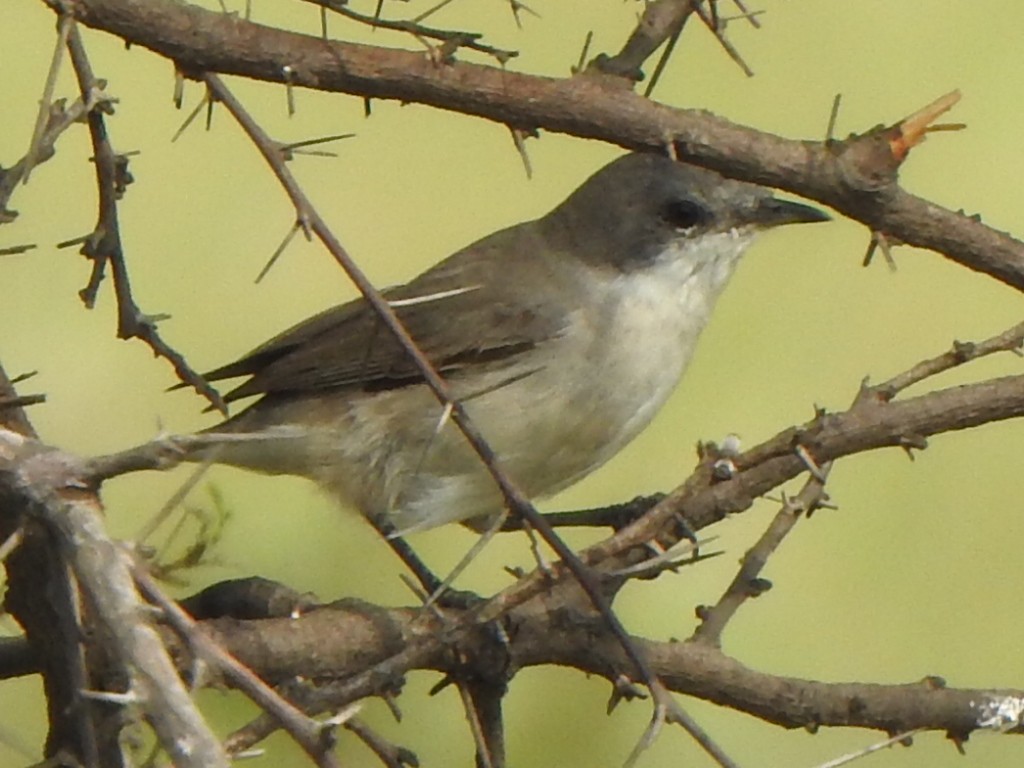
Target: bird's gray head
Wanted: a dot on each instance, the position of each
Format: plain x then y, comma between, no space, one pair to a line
633,209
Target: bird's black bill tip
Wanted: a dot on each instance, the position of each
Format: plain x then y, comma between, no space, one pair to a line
773,212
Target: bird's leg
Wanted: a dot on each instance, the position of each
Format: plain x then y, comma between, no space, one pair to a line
429,581
426,577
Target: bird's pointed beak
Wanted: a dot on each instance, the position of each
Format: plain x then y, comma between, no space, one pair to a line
772,212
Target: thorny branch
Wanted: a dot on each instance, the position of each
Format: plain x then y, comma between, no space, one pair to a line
1010,340
42,598
842,174
104,247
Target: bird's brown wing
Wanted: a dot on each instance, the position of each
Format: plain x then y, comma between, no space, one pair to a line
461,313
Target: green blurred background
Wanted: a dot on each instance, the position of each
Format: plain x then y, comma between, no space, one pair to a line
914,575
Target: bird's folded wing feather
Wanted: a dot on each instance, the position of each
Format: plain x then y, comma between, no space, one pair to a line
461,313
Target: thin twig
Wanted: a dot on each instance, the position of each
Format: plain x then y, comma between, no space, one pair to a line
105,246
483,712
60,120
458,39
746,583
391,755
659,68
899,738
1010,340
719,33
64,26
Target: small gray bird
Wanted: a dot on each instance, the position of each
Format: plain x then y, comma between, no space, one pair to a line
561,336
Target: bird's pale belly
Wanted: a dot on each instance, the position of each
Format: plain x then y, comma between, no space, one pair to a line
580,405
546,437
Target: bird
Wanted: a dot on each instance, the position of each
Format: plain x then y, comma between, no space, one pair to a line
562,337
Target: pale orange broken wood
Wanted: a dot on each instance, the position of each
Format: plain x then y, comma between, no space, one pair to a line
911,130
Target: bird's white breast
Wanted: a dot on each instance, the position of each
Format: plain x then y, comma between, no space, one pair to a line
658,314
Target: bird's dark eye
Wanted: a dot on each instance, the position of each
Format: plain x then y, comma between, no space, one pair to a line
685,214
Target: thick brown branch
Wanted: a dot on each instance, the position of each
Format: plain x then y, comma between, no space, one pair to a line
202,41
340,641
